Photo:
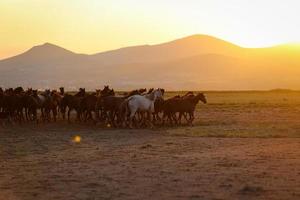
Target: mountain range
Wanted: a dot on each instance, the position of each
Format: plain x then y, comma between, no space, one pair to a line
197,62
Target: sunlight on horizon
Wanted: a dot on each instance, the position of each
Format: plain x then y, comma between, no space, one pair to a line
95,26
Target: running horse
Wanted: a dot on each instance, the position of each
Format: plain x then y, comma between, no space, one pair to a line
143,103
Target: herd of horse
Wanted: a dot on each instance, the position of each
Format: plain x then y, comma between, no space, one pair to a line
138,108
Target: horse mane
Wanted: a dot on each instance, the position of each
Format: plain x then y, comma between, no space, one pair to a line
150,96
189,93
150,90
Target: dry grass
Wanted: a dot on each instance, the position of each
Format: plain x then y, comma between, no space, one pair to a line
246,114
48,161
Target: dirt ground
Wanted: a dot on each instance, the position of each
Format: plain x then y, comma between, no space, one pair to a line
46,163
242,146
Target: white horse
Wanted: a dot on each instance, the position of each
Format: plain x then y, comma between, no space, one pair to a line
42,99
142,103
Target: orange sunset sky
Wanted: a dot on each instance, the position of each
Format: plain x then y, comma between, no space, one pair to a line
90,26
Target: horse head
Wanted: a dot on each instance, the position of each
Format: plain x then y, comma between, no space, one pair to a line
142,90
201,97
112,92
80,93
150,90
34,93
162,90
82,90
47,93
98,92
62,90
107,92
157,94
18,90
9,91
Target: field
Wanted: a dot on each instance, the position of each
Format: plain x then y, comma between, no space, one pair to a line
243,145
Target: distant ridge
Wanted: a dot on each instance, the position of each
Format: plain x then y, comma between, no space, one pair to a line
193,62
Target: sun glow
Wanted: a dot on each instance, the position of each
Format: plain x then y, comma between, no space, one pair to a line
94,26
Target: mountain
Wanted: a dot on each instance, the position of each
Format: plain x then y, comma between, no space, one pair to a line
181,48
194,62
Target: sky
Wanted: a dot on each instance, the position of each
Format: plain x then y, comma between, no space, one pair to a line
91,26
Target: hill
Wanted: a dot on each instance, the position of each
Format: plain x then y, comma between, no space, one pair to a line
194,62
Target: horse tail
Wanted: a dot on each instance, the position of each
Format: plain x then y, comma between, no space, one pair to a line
126,106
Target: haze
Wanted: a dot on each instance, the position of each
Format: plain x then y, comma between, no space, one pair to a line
94,26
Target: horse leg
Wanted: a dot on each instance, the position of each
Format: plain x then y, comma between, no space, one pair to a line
149,119
46,114
131,117
54,112
174,118
78,115
63,112
140,118
91,116
69,111
163,118
49,114
85,116
191,118
22,115
170,118
186,118
58,111
43,114
179,118
158,118
112,118
26,114
35,117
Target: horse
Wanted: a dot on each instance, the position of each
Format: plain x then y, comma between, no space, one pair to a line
1,99
62,91
11,103
51,105
144,103
107,92
32,105
134,92
73,103
190,105
182,105
88,105
110,106
43,99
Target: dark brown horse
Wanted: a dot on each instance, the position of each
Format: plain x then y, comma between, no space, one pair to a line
72,102
182,105
88,106
110,107
107,92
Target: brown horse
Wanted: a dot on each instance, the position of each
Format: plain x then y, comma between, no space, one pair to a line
134,92
110,107
107,92
88,106
72,102
182,105
51,105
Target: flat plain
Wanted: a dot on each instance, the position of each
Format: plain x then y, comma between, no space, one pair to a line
243,145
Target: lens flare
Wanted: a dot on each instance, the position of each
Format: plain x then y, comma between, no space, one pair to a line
77,139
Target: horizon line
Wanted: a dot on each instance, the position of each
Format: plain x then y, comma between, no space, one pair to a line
169,41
